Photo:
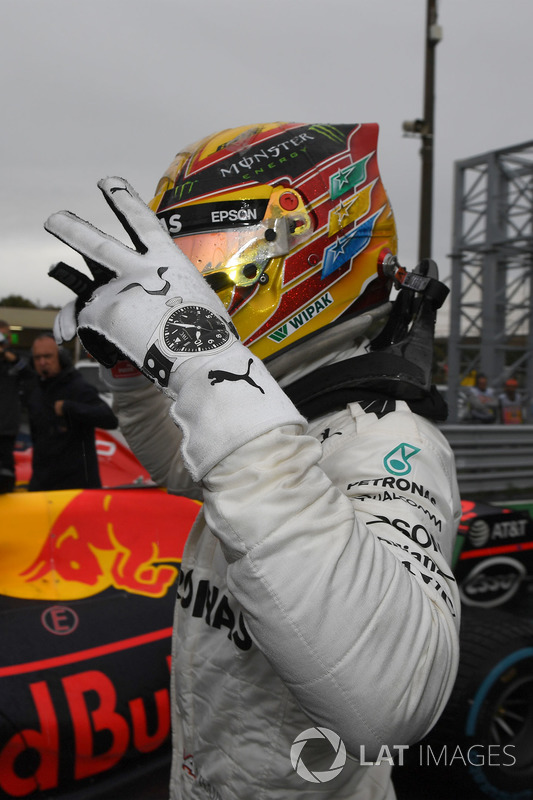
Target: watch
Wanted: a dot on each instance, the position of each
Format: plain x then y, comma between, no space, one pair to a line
194,329
186,330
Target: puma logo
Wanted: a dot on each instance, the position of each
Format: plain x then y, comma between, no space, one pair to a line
161,271
326,434
219,375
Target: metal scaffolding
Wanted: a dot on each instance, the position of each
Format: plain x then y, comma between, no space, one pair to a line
491,310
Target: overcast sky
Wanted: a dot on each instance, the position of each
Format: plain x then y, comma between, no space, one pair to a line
117,87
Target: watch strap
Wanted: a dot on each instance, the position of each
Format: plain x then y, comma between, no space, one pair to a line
157,366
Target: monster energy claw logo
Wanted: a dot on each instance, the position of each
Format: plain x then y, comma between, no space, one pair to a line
397,461
329,131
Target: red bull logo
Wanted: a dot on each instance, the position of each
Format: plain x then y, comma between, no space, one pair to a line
128,539
114,542
80,726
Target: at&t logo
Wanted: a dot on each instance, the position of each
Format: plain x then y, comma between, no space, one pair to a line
338,755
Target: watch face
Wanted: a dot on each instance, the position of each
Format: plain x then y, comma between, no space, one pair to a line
193,329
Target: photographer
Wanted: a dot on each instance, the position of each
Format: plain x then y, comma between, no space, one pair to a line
63,410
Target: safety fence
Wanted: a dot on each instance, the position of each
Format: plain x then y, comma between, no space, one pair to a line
493,461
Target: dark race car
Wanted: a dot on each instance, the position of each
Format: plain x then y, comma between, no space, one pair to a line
482,747
88,582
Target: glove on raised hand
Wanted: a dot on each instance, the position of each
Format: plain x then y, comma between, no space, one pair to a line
151,306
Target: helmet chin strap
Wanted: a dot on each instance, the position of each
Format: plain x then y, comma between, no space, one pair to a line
397,364
333,344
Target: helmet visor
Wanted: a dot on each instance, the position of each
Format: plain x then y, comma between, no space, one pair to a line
243,251
242,254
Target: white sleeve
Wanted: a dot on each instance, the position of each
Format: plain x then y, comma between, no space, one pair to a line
351,602
154,438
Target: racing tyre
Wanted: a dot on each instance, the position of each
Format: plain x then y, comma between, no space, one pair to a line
487,727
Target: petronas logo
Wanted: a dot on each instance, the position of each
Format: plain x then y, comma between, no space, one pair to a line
397,461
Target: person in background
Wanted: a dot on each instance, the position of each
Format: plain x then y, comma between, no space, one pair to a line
512,406
13,369
63,411
482,402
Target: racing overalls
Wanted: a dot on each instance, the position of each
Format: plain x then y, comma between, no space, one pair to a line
316,623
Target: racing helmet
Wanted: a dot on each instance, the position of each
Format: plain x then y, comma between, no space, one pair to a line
289,223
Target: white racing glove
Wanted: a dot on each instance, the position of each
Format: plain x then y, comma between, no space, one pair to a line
151,306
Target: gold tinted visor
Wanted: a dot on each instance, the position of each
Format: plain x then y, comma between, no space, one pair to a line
242,254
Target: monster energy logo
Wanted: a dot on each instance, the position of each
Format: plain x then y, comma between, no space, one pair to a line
329,131
302,318
181,190
268,156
